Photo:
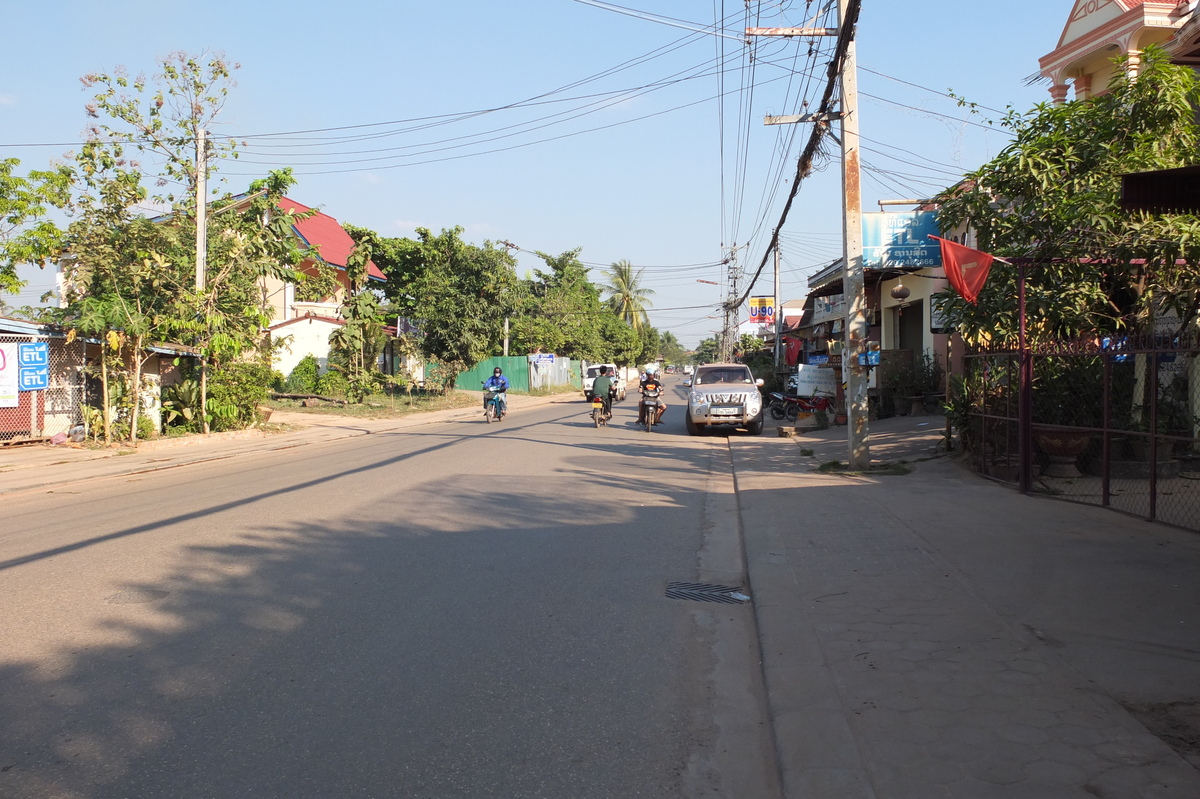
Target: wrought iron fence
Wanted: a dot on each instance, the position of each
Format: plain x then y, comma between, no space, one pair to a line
1111,421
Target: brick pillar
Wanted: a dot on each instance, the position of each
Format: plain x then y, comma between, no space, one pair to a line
1058,93
1083,87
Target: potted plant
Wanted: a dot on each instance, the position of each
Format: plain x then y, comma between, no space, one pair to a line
928,377
901,385
1062,388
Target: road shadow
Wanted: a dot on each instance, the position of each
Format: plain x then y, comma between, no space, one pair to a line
472,638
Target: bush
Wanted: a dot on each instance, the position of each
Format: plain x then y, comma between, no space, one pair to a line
181,403
234,392
303,379
145,428
332,384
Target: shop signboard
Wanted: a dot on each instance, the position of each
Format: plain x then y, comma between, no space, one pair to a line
812,380
897,240
762,310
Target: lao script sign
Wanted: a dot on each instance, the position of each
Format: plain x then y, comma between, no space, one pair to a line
893,241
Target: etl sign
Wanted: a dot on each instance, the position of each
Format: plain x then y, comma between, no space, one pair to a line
893,240
33,364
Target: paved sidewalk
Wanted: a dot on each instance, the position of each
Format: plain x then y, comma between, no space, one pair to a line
934,635
40,467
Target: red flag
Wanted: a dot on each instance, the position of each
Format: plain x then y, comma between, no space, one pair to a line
792,350
966,269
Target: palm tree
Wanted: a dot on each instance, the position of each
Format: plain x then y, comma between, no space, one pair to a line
627,299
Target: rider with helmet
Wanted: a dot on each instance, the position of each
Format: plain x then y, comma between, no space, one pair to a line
651,383
499,384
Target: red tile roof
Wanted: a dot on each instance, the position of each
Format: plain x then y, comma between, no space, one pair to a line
322,231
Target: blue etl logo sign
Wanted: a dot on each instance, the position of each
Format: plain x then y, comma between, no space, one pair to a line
33,367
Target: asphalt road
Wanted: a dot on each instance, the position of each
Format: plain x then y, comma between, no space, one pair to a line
457,610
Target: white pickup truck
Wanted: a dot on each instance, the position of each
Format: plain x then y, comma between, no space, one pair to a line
592,371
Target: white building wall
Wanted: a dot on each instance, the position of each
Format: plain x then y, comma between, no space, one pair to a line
310,337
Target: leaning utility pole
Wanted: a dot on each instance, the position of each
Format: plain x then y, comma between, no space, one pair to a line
855,372
778,311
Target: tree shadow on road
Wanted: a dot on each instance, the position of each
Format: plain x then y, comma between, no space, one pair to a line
459,631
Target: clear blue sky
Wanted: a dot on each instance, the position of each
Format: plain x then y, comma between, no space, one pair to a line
639,175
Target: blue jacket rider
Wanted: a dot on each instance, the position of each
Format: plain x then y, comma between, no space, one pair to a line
498,383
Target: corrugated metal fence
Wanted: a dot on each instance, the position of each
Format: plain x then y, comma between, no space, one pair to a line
523,374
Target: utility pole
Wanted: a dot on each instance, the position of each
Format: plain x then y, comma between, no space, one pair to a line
857,374
201,207
202,252
778,312
730,330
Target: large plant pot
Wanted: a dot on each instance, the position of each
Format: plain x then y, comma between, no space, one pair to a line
1139,448
1062,448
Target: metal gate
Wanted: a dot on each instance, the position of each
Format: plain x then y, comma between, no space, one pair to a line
1111,421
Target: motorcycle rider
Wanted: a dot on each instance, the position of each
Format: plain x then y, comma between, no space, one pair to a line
651,383
499,384
602,388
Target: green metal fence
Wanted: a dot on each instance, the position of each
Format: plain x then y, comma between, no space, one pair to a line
516,369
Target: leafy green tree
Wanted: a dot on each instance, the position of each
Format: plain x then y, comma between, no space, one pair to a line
459,295
560,311
651,345
627,297
249,238
709,350
672,351
1053,195
624,344
358,344
26,234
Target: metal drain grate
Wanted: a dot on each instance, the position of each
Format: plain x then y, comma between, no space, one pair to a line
707,592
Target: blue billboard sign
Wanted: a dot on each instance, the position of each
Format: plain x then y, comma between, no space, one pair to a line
897,240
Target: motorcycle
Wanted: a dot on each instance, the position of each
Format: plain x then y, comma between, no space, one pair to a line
600,414
786,406
651,404
491,406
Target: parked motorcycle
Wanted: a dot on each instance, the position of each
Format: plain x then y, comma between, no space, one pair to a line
786,406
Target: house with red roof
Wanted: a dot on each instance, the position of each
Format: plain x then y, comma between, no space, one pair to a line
306,324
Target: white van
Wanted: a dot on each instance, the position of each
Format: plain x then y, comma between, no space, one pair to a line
592,371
